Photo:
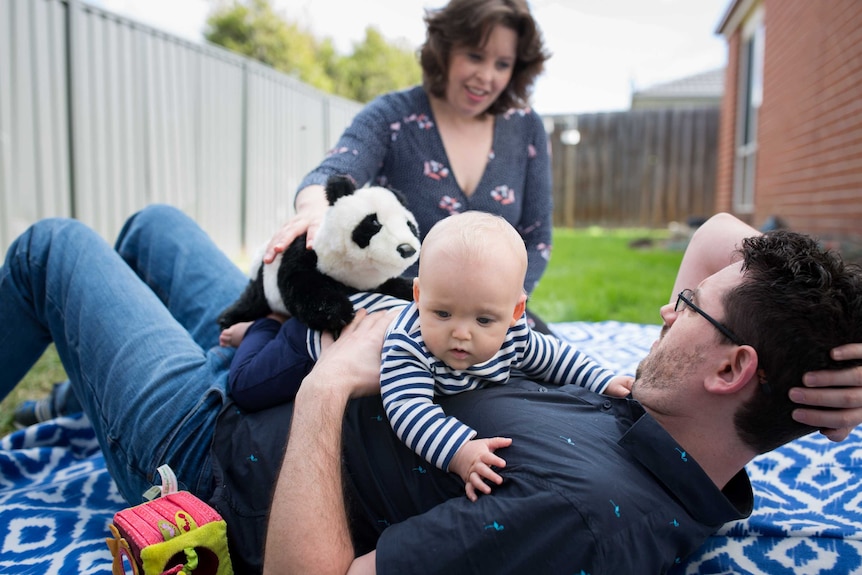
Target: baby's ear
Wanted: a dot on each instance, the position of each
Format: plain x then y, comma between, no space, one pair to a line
416,290
519,309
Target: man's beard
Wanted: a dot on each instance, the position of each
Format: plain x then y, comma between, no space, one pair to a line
664,366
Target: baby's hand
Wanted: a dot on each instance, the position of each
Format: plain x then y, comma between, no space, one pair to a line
619,386
473,464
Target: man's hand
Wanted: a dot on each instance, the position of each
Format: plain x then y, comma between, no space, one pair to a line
353,360
473,464
839,391
308,530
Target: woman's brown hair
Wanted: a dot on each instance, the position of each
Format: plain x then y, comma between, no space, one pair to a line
469,23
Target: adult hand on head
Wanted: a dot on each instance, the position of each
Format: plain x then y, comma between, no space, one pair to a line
833,398
311,205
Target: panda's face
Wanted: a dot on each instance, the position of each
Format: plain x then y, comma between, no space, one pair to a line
366,238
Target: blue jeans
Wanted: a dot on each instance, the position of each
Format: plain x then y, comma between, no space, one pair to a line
136,331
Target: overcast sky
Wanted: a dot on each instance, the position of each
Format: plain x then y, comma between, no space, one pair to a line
602,49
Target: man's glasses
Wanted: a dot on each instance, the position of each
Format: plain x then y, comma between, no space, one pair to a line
683,300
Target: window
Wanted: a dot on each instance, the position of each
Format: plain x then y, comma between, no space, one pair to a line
750,98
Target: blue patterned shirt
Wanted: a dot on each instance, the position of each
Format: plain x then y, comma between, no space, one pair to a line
394,142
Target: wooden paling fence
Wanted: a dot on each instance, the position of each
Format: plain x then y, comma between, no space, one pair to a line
641,168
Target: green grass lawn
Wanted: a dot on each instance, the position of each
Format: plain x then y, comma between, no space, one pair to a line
37,383
593,275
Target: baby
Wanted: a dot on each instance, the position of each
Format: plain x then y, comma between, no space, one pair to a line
466,329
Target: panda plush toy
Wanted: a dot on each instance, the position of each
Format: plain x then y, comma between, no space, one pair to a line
366,240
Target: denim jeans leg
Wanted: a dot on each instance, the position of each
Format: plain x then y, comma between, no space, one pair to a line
150,390
194,279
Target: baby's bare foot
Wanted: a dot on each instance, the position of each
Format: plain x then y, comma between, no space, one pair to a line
232,336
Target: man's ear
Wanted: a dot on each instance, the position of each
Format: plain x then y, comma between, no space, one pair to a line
519,309
738,369
416,290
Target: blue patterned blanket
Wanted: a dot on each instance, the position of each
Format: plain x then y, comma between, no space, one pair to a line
57,499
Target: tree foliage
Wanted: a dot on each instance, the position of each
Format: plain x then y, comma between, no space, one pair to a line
376,67
254,29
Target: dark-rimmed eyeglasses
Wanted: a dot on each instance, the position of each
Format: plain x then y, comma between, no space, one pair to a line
683,300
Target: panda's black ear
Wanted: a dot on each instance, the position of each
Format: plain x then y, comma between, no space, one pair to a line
398,196
338,187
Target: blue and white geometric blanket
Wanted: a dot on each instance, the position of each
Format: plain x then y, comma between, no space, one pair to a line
57,499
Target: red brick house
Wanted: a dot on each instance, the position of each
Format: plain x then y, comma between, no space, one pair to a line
790,140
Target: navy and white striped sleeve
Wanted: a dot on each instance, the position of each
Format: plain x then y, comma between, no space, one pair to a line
556,361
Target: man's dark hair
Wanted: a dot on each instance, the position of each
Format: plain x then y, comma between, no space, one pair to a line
796,302
469,23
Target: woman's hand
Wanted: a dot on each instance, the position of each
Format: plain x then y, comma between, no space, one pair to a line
839,391
311,205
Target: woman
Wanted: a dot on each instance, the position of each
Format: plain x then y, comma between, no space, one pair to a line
464,140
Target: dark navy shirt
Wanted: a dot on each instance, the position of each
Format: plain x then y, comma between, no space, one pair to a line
592,484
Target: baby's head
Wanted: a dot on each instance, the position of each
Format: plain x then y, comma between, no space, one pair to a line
477,239
470,286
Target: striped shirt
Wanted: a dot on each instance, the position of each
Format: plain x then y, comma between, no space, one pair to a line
411,376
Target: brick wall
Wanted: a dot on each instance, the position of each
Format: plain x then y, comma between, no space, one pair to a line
809,162
727,129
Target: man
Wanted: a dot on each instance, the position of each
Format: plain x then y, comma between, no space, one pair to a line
135,326
653,476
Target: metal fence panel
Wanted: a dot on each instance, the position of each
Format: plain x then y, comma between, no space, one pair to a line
219,162
101,115
6,214
286,138
34,139
108,142
339,114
